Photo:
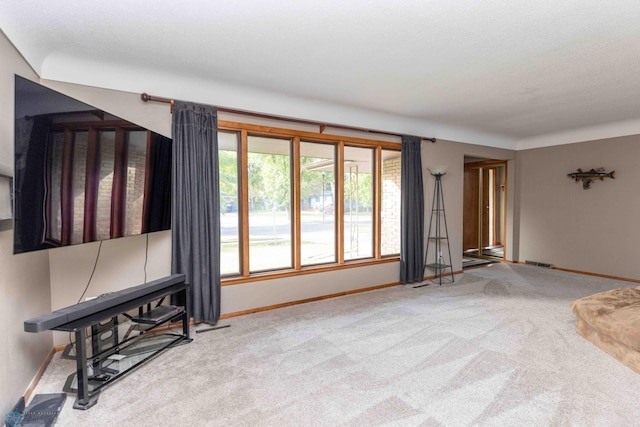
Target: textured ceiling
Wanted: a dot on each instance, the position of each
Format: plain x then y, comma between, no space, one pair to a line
513,70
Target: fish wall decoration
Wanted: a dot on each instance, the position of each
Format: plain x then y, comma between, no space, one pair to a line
588,177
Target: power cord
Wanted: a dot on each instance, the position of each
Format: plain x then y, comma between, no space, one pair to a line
146,258
95,264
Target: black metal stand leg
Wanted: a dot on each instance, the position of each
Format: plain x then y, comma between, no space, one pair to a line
187,313
84,400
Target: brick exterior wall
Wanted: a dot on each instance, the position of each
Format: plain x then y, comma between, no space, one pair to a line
390,215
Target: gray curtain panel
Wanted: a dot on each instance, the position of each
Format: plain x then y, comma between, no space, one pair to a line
195,211
412,212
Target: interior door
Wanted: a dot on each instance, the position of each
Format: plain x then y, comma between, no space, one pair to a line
483,206
470,209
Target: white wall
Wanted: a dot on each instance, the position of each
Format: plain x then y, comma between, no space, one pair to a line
24,279
594,230
120,264
246,296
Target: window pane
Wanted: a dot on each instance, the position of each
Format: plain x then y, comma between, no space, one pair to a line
79,178
105,184
358,203
390,203
317,192
229,225
136,167
269,203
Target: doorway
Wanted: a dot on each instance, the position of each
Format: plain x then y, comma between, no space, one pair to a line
484,211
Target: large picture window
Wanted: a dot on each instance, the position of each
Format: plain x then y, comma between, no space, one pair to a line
293,201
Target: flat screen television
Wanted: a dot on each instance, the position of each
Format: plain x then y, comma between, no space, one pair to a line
82,174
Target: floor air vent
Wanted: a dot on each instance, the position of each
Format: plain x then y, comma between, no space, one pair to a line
538,264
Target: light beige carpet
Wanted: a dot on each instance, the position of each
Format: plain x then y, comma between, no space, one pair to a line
497,347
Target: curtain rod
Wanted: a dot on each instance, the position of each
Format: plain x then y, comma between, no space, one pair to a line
150,98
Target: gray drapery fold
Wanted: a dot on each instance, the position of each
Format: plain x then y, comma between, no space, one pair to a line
412,212
195,208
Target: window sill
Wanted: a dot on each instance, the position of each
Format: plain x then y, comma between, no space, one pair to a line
270,275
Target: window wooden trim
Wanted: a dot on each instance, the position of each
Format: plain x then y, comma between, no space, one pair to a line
305,135
312,269
244,202
296,221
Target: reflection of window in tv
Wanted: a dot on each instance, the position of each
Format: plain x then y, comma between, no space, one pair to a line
83,174
97,176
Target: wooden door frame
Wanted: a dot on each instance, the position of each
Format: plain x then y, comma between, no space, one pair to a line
492,164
